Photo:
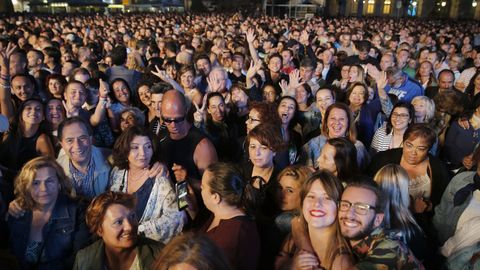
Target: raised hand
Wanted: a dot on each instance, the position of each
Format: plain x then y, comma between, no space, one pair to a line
304,38
382,80
5,56
373,72
250,35
254,67
162,74
200,114
214,82
294,79
103,89
284,86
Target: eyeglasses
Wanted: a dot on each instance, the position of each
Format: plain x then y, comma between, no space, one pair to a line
173,120
400,115
251,119
359,208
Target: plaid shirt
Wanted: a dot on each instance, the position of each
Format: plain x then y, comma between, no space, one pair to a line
378,251
83,182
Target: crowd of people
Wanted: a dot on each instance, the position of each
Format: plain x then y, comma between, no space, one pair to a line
222,141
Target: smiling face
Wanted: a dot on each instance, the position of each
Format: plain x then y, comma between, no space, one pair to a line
275,64
77,143
400,118
337,123
239,98
319,209
45,187
121,92
75,94
55,112
216,108
145,95
324,99
32,113
286,110
269,94
420,109
357,96
55,87
186,79
141,152
260,155
301,95
354,226
119,227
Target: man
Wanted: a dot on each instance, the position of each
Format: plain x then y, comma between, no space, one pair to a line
362,58
401,85
288,65
346,44
203,66
330,72
75,96
156,96
35,61
387,60
218,81
237,76
186,151
84,163
437,58
118,70
445,83
360,215
403,57
53,58
18,63
307,70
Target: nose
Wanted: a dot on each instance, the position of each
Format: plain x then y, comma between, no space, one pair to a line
43,186
127,225
141,151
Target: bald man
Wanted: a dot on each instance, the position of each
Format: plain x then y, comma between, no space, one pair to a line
186,150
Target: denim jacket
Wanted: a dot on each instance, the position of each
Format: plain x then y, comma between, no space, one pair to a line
63,235
447,215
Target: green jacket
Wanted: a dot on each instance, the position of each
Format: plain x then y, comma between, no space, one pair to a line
93,256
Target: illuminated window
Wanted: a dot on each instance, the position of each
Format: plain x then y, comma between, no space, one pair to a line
370,6
355,6
386,7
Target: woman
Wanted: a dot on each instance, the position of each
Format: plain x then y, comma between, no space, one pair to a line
338,123
424,109
54,114
157,209
27,138
288,112
473,87
390,134
393,181
240,101
428,175
290,181
191,251
55,85
132,116
52,228
320,195
226,195
365,113
425,75
342,84
263,142
144,100
270,94
187,76
460,142
308,119
220,126
339,157
120,96
111,216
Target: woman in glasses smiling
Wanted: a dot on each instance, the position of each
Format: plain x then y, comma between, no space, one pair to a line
428,175
390,135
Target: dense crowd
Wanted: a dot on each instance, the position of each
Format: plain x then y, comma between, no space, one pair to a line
221,141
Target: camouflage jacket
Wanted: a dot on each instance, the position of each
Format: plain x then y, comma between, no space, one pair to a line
379,251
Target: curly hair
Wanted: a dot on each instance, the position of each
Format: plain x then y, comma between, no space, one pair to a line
23,182
268,135
268,112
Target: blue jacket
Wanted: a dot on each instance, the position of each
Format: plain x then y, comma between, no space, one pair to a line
63,235
407,91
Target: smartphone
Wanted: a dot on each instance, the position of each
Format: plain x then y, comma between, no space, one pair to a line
182,193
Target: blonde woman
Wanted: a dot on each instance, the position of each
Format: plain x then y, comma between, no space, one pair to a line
52,228
424,109
393,180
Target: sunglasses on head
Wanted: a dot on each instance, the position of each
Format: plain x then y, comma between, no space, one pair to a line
173,120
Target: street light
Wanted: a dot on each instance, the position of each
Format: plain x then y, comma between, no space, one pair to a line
443,4
474,4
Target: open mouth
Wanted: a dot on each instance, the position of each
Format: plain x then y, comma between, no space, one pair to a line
350,223
317,213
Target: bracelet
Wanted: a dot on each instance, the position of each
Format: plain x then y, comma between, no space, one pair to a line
5,86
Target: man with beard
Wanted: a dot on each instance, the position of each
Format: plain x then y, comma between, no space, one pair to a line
203,65
360,214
